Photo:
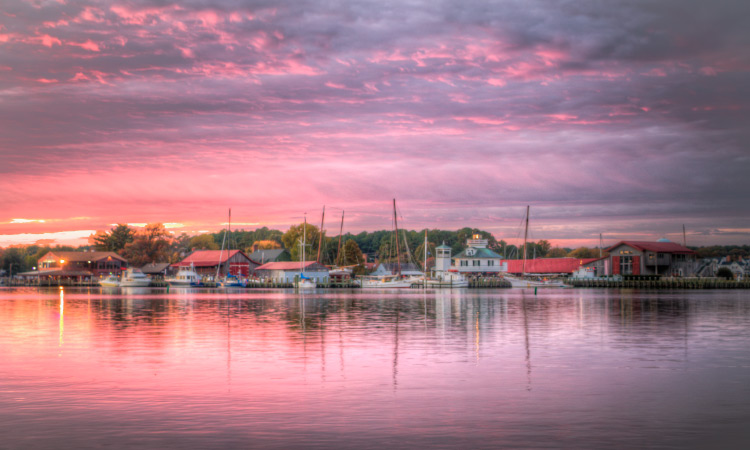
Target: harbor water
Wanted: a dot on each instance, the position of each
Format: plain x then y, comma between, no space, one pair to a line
328,369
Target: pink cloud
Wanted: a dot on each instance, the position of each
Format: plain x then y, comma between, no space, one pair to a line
88,45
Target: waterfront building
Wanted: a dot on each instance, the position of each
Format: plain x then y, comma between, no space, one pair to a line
227,262
286,271
477,259
652,258
548,266
156,270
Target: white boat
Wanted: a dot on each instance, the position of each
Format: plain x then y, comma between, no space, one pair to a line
518,282
110,281
448,280
185,277
227,280
385,281
135,278
304,282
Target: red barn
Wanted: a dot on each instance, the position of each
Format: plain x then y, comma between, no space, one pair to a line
206,262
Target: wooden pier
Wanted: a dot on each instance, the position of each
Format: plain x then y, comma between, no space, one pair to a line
663,283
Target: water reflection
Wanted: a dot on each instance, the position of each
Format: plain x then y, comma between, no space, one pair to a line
468,369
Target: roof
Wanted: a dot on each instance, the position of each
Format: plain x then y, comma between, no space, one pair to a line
548,265
292,266
661,247
267,255
57,273
154,268
83,256
443,246
208,258
478,253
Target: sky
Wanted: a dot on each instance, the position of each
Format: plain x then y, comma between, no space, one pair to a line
625,118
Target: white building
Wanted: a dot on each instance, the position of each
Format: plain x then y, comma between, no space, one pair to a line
477,259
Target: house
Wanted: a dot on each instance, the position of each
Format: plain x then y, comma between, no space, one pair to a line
652,258
77,265
156,269
547,266
207,262
286,271
391,268
270,255
477,259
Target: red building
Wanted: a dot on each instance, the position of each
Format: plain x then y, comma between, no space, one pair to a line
206,262
652,258
547,266
79,265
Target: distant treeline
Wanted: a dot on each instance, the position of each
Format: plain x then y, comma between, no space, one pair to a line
153,243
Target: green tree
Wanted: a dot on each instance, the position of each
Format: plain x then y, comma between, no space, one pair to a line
352,253
584,252
292,240
419,253
557,252
151,245
115,240
203,242
543,247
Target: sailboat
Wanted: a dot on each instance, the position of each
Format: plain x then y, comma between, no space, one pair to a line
395,280
229,280
522,282
304,282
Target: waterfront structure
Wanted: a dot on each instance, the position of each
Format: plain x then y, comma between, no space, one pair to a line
547,266
286,271
226,262
156,270
708,267
477,259
652,258
78,266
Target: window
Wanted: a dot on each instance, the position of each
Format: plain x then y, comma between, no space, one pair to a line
626,265
476,262
464,263
491,262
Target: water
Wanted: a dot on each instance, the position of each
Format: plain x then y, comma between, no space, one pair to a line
143,368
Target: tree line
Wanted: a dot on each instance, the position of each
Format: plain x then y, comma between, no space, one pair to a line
153,243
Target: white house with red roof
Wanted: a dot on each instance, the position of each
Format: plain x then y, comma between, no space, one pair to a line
286,271
652,258
206,262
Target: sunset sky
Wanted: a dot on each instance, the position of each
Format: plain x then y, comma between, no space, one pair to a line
627,118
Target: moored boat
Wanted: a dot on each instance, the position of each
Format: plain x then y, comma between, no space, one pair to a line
185,277
110,281
135,278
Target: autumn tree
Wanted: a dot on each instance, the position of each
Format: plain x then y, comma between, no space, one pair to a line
293,238
203,242
419,252
115,240
151,245
584,252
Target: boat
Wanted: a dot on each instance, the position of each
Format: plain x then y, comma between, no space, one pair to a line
185,277
395,280
441,279
304,282
135,278
523,281
231,281
110,281
385,281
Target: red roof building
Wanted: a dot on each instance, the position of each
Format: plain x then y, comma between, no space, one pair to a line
287,270
206,262
652,258
547,266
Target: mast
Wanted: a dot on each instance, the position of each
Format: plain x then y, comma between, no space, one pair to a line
320,241
600,246
304,242
223,240
424,268
398,253
525,236
341,233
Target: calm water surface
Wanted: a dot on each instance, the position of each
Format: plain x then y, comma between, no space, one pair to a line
143,368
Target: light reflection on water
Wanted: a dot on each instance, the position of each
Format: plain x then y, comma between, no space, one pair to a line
339,369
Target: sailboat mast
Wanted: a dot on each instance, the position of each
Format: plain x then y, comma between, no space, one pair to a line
223,240
600,245
684,236
525,236
398,253
304,242
341,234
424,278
320,241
